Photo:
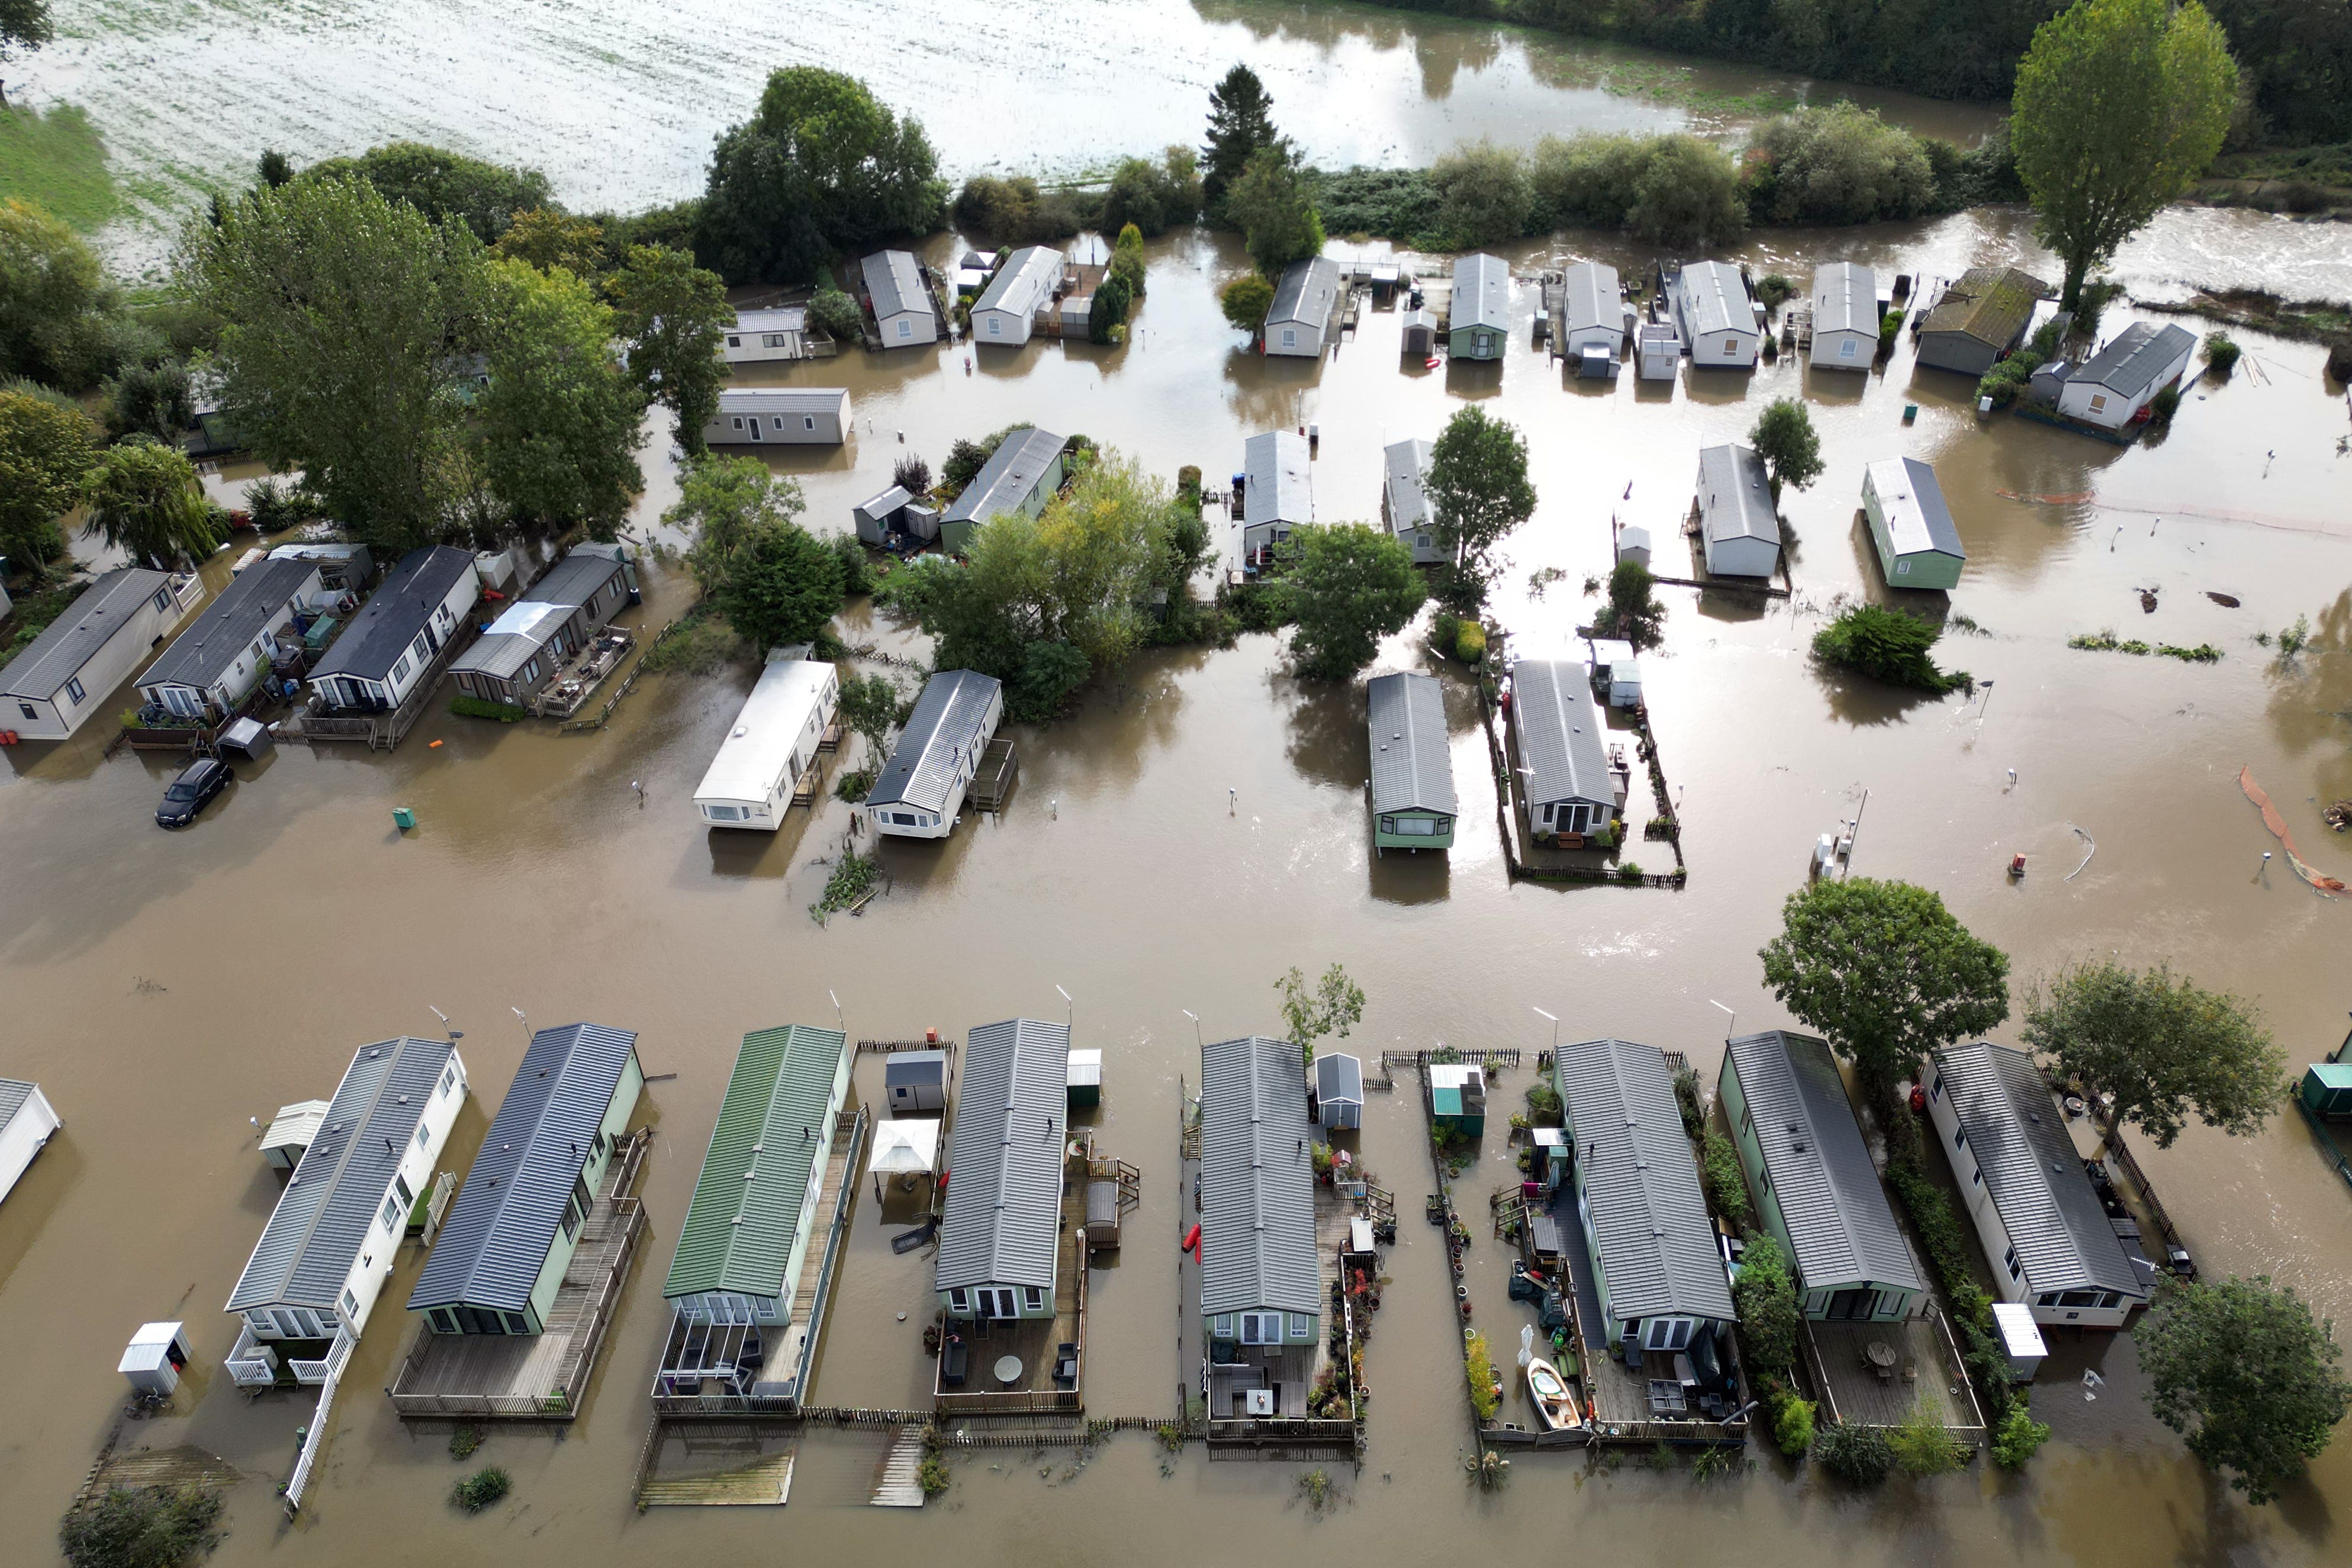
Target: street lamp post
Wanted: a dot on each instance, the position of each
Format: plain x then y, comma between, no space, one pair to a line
1732,1028
1554,1029
1189,1013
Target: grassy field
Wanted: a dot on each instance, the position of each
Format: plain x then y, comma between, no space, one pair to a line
56,161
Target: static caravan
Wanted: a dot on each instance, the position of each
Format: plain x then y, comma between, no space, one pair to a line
1339,1091
1414,804
1261,1281
306,1293
921,787
1981,315
1298,322
1739,529
779,417
1845,317
1660,350
1405,504
1918,543
1565,783
1716,318
1006,311
1278,489
27,1124
389,645
65,674
901,302
764,337
1478,326
771,743
2112,387
2046,1235
1592,318
1021,475
1000,1236
1814,1185
522,652
216,663
502,1252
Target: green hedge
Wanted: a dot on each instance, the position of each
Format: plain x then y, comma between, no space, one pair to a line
475,707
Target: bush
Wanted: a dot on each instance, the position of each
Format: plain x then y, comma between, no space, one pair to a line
464,1439
1108,315
1049,672
1673,190
1632,613
1726,1184
480,1489
856,565
1245,301
913,475
1445,631
1545,1107
2304,197
276,504
1842,164
466,706
2164,405
1482,195
1015,211
697,648
2006,381
1766,1295
2221,353
1921,1446
1154,197
1793,1422
855,785
1470,643
1859,1455
837,313
1886,646
1479,1367
1399,203
1774,290
853,877
2017,1438
146,1526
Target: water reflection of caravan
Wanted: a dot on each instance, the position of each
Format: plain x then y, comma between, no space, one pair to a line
772,745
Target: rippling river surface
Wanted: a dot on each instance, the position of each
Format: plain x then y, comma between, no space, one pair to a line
165,987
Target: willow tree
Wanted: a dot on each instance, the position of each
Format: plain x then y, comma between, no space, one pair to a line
144,498
2120,106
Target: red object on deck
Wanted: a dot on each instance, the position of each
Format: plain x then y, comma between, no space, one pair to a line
494,596
1192,1237
930,1037
943,1181
1918,1098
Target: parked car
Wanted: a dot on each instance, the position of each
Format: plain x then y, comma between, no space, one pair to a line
192,791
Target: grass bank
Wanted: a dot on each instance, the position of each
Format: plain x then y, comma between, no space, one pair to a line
58,161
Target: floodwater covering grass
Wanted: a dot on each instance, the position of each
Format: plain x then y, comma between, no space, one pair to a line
58,161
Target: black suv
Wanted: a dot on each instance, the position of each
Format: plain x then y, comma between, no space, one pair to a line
192,791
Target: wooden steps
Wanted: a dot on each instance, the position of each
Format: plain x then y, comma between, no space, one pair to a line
766,1481
898,1482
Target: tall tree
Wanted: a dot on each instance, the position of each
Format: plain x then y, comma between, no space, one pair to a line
1333,1005
869,706
445,186
822,166
55,302
1346,586
723,504
24,25
343,315
1786,440
2243,1372
561,420
783,587
2120,106
144,498
546,239
1270,203
1245,300
673,314
1479,490
2161,1046
44,451
1886,973
1240,122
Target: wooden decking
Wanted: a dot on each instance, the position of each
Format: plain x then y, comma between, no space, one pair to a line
899,1482
765,1481
384,731
1036,1341
1926,1371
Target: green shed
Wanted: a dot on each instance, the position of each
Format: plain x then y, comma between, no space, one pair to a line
1457,1098
2328,1088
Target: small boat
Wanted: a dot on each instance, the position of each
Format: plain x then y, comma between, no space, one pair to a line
1554,1403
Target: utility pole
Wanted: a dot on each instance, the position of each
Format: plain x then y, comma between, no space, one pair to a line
1852,831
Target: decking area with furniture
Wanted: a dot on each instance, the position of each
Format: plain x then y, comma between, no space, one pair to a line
1025,1366
1877,1374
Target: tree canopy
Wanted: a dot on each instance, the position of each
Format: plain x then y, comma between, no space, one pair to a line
2243,1372
2120,105
1333,1005
1271,204
1885,973
1245,300
443,185
144,498
1481,194
1632,613
723,505
1154,197
673,314
2161,1046
1346,586
55,301
44,451
784,586
1479,491
1785,439
560,420
1240,122
822,167
24,25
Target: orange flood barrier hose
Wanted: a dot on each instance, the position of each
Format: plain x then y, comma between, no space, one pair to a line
2326,885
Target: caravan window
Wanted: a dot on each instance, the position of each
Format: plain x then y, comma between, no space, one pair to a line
448,1080
735,343
996,326
399,668
1261,1328
163,600
906,329
1031,1298
773,341
420,648
73,689
808,422
724,813
1845,349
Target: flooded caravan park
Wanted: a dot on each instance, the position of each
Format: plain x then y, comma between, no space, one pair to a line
164,988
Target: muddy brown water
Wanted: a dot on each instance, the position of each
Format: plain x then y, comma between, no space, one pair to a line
165,987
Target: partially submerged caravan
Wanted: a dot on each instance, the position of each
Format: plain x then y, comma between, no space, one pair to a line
773,741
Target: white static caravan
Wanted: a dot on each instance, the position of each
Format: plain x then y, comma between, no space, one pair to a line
1592,317
26,1121
64,676
1006,310
1404,505
894,292
215,664
1740,528
766,337
1845,317
919,793
772,742
2114,384
1298,322
779,417
1277,488
1716,318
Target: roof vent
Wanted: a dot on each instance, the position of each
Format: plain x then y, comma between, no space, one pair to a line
741,730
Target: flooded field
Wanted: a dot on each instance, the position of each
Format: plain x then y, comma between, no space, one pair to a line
165,988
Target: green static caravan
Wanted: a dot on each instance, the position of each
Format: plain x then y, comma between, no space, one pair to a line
1918,544
1022,474
1478,321
1262,1293
501,1255
1000,1235
1813,1181
1414,804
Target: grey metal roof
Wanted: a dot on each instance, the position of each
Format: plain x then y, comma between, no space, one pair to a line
893,283
1306,294
73,638
1912,498
1003,1220
14,1093
1650,1222
1714,298
1559,735
314,1234
885,505
1012,474
1257,1180
948,715
575,579
1338,1076
522,631
1846,298
230,625
2140,354
914,1067
1412,767
1024,280
2033,1172
1277,486
395,612
1403,464
1590,299
831,402
1482,293
1828,1190
498,1235
1735,496
775,319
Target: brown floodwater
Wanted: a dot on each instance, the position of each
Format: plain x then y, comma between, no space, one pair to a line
165,987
